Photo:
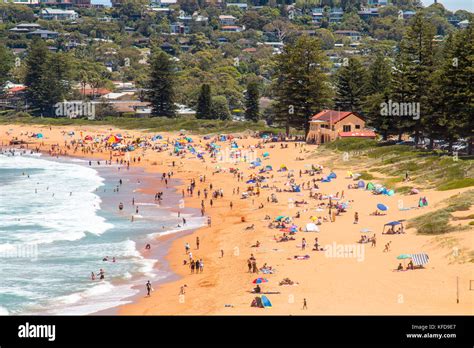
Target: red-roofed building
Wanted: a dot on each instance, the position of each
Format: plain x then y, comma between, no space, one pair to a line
328,125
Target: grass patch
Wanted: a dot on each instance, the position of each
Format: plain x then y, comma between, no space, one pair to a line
366,176
426,168
456,184
437,222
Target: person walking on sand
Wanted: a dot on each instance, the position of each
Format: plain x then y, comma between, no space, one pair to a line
303,244
231,205
374,241
197,243
148,288
305,304
249,264
192,265
356,217
187,247
201,265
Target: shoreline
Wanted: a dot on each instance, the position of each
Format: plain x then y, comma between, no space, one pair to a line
332,286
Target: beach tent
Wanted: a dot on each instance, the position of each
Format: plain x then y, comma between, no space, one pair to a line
391,223
382,207
256,163
370,186
390,192
266,154
414,191
88,137
311,227
332,175
268,168
156,137
265,301
420,259
326,180
283,168
71,133
39,135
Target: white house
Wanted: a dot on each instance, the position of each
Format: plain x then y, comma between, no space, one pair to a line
58,14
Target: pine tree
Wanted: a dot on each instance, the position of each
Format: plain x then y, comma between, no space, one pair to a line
378,89
220,108
6,65
301,88
161,93
350,86
35,78
413,74
203,110
252,97
455,89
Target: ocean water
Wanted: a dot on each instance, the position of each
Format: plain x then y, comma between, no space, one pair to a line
59,219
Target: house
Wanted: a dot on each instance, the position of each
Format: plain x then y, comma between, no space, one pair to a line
463,24
351,34
59,15
44,34
317,15
163,3
335,15
226,20
329,125
240,5
408,14
379,2
368,13
57,3
25,2
179,28
25,28
231,29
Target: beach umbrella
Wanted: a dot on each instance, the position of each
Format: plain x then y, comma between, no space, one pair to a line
260,280
382,207
404,256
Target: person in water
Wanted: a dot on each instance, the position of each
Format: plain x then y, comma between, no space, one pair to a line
121,206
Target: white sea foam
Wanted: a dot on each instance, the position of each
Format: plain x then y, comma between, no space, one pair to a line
56,202
4,311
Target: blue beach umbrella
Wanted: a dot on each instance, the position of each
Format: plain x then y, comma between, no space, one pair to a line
382,207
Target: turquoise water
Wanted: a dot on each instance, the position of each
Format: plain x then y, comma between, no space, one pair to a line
58,220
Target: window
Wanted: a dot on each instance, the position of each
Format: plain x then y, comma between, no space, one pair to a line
357,126
346,128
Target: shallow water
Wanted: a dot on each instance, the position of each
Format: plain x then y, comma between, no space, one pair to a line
59,219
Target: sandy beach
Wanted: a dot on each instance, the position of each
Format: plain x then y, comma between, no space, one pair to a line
361,281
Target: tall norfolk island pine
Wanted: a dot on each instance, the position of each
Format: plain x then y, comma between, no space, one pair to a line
302,87
161,92
204,103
